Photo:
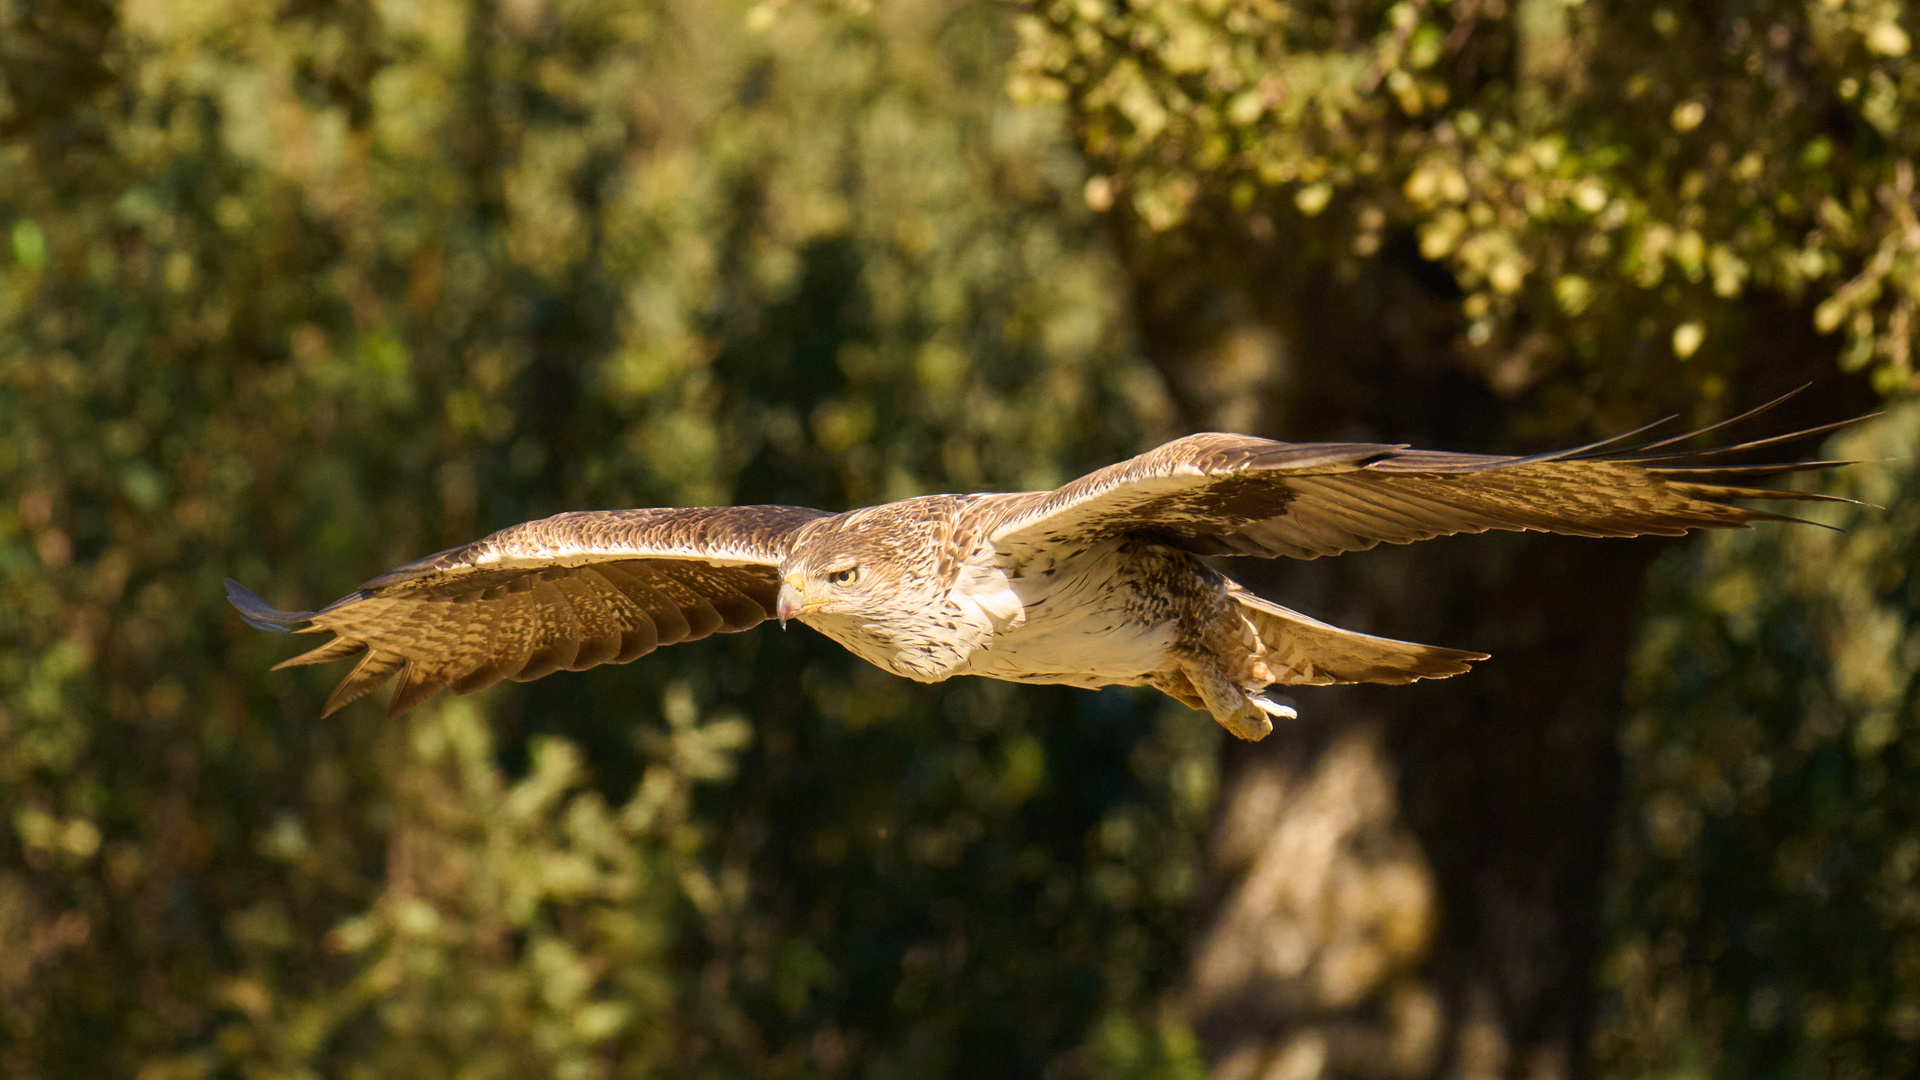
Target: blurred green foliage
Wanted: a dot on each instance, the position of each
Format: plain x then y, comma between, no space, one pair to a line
1595,174
1767,875
296,292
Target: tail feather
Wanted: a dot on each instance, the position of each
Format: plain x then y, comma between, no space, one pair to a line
1303,651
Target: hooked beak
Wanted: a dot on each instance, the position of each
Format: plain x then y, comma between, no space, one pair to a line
793,598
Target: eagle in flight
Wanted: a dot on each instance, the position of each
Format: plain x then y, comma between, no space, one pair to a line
1102,582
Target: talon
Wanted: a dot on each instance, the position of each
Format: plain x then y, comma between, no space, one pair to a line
1274,708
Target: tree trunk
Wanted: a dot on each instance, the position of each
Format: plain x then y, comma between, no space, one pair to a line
1406,880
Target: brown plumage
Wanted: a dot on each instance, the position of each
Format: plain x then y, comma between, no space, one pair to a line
1099,582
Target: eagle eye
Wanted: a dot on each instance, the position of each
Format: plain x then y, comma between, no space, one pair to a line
844,576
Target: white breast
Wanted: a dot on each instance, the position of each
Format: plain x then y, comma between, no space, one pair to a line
1076,621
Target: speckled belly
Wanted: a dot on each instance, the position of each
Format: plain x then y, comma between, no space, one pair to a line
1103,617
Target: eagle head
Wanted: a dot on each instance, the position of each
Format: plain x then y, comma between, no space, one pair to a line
871,580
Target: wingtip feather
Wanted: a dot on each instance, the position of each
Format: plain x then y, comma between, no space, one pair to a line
375,668
337,649
258,613
417,684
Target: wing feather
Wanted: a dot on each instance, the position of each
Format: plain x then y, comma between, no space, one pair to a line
1234,494
572,591
373,669
556,632
669,625
595,603
337,649
418,682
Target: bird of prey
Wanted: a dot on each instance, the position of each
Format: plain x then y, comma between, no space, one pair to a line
1104,581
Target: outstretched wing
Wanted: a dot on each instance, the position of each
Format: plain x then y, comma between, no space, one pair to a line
1235,494
572,591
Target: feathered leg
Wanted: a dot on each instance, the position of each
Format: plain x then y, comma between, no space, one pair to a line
1246,716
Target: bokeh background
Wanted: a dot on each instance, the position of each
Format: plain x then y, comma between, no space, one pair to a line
297,290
